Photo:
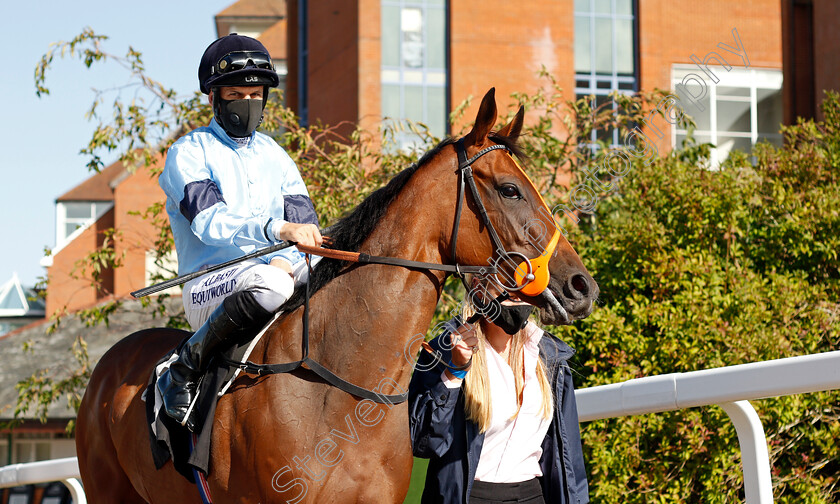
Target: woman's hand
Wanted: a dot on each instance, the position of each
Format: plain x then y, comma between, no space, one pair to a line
464,343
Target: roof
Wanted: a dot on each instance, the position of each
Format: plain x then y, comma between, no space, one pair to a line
98,187
255,9
18,301
274,39
52,351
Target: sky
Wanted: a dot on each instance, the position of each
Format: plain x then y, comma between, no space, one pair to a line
40,138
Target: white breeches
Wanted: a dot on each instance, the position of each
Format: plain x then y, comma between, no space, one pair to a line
270,285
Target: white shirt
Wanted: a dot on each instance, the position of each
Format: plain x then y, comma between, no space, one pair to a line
512,447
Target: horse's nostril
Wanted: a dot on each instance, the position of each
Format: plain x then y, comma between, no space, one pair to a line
579,284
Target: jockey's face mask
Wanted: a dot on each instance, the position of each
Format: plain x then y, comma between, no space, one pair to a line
239,118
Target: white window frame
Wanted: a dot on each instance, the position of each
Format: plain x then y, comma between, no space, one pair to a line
30,445
97,210
745,78
424,77
623,84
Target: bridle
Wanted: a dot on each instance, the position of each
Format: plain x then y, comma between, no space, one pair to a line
531,275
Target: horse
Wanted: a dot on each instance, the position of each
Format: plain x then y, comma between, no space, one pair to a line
294,437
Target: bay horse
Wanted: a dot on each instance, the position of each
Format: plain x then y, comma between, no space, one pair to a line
293,437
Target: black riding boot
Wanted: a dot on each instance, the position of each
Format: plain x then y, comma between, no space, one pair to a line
237,318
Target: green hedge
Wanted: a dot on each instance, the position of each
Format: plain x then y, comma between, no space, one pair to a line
702,268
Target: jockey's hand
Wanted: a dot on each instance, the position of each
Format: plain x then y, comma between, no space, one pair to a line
464,344
304,234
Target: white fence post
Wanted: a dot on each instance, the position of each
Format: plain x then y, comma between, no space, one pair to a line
758,487
76,490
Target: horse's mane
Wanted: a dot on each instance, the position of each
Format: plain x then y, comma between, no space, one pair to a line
351,230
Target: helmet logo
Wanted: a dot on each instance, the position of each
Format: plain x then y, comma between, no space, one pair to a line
251,78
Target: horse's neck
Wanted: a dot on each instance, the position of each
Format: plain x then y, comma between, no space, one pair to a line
365,322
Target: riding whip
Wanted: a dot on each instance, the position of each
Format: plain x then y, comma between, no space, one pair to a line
189,276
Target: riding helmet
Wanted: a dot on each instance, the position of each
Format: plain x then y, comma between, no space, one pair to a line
236,60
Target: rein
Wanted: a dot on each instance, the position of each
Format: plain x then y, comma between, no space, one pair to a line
327,375
361,258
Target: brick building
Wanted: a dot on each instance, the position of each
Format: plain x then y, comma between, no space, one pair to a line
811,55
368,59
363,61
108,199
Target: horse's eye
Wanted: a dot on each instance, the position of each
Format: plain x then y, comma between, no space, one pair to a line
510,191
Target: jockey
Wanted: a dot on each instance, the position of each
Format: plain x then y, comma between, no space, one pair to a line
229,191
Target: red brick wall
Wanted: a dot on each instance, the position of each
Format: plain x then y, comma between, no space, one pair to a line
495,45
135,194
671,31
370,64
67,293
826,49
498,44
333,71
492,45
291,95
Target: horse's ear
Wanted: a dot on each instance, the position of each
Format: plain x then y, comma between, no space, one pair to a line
514,128
484,120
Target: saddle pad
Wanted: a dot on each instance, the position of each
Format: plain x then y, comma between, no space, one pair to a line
171,440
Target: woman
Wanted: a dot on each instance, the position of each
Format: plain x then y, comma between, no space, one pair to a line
505,429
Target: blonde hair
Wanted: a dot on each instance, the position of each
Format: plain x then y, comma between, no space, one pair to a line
477,394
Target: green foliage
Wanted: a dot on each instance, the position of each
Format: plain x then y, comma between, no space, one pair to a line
704,268
698,267
38,392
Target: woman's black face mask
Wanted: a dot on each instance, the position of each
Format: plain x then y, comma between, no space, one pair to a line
513,318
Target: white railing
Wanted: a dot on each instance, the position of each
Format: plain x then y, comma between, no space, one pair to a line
65,470
731,388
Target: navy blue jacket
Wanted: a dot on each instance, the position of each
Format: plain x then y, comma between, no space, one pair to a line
440,431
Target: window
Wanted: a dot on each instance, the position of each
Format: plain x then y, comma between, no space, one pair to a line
414,64
167,268
33,448
71,215
605,52
744,107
